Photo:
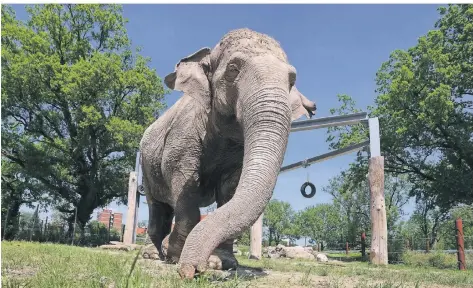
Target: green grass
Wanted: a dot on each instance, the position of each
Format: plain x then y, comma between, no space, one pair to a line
391,274
51,265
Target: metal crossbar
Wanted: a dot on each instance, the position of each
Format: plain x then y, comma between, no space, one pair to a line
331,121
325,156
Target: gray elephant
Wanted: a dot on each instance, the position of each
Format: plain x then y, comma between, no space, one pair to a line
224,140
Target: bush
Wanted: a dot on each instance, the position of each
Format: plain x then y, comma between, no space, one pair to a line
396,249
433,259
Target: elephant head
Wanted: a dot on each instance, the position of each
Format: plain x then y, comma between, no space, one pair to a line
246,80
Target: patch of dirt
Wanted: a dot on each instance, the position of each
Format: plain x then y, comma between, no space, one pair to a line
24,272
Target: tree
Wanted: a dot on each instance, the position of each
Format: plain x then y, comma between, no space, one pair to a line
425,106
322,223
277,218
17,190
352,200
75,101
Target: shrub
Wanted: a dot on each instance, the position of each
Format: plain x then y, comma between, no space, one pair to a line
433,259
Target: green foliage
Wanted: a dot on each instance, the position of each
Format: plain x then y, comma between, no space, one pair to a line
322,223
75,102
244,238
277,218
433,259
424,105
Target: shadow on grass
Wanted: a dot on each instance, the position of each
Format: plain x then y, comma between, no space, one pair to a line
241,273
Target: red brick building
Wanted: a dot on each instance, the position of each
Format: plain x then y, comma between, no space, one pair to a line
104,217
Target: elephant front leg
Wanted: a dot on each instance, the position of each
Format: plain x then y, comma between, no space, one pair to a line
223,257
187,216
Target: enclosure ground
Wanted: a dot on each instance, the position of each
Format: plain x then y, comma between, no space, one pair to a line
26,264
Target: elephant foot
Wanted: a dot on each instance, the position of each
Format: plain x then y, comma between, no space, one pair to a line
171,253
187,271
219,260
222,260
150,252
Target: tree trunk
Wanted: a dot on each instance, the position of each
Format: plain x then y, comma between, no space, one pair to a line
12,220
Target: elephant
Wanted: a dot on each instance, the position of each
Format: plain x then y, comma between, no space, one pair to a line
223,141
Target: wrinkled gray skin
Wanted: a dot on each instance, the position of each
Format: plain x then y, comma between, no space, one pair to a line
224,140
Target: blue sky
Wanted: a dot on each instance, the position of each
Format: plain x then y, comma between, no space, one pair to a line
336,49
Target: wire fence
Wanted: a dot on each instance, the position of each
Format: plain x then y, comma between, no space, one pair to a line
39,230
453,250
442,252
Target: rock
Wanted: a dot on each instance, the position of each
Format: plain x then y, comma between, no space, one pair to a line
297,252
321,257
280,247
116,247
309,249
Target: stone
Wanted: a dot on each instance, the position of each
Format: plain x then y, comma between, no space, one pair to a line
309,249
298,252
116,247
321,257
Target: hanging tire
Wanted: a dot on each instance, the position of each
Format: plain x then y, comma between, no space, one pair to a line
312,190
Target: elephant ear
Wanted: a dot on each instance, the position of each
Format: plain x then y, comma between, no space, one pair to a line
300,105
191,76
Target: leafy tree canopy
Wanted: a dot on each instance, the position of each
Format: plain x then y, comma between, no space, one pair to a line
75,101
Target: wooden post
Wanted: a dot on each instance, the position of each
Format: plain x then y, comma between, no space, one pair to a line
131,214
346,248
256,237
460,244
318,246
363,246
379,237
427,245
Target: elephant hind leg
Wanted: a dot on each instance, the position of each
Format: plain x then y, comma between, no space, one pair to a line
159,225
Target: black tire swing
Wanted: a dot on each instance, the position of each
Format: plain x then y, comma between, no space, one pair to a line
308,184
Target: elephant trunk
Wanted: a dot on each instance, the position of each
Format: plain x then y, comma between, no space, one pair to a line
265,119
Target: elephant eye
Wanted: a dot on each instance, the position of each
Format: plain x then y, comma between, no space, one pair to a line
232,72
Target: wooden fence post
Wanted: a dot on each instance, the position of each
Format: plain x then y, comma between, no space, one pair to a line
131,214
460,244
363,246
379,245
256,237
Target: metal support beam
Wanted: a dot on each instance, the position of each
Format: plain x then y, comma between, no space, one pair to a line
375,142
331,121
326,156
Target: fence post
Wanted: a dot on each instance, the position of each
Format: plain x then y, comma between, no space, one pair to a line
74,229
363,246
256,236
346,248
427,245
318,246
460,244
379,228
46,229
131,214
379,234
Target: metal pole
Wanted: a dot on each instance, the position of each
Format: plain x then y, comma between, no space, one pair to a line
460,244
74,229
